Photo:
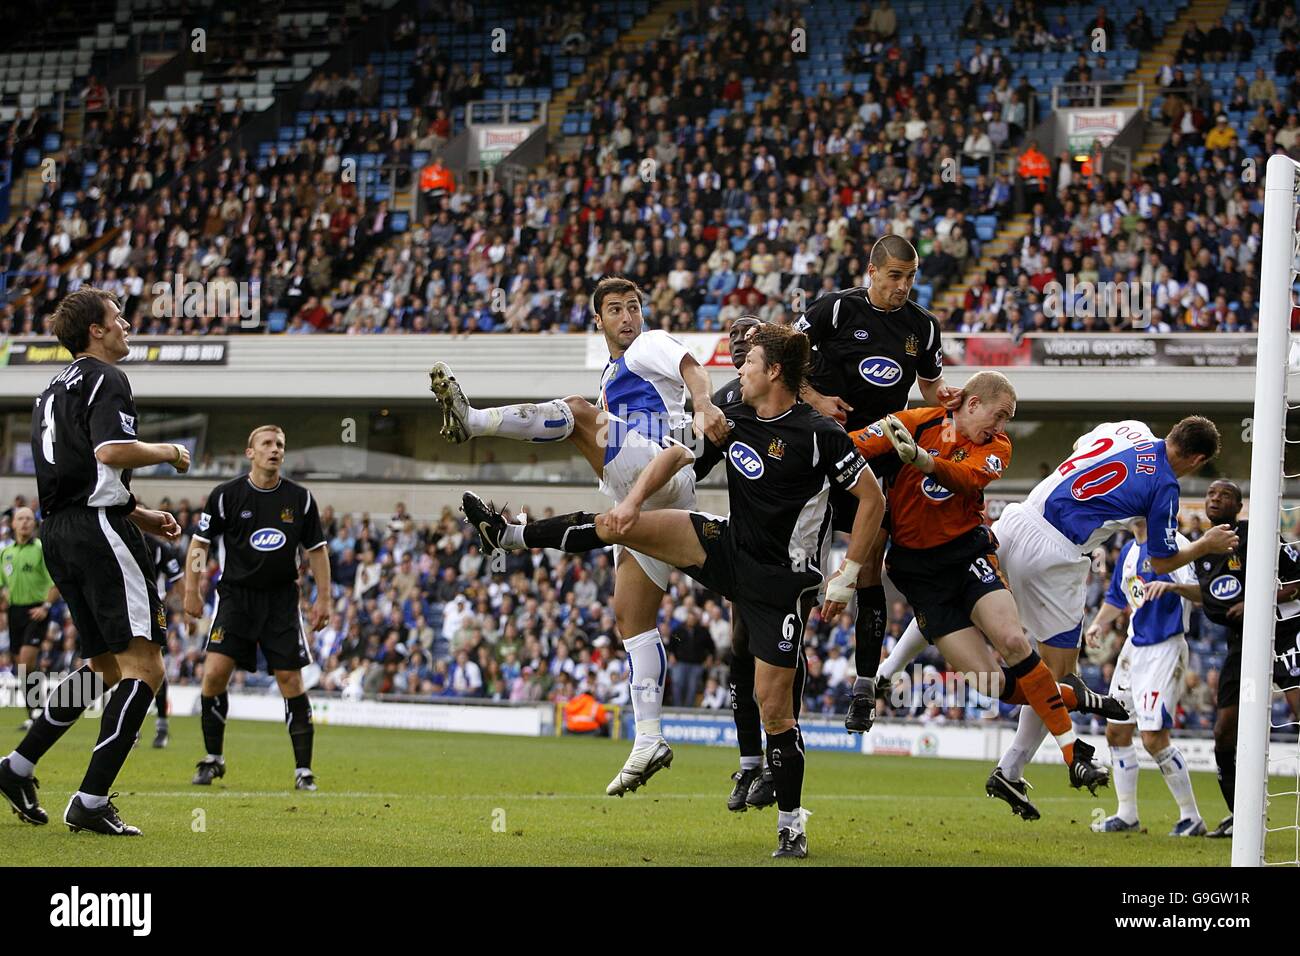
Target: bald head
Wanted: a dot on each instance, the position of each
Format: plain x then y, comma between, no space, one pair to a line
24,523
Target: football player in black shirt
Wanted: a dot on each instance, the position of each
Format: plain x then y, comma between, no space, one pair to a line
84,445
869,346
259,521
753,786
784,459
1222,580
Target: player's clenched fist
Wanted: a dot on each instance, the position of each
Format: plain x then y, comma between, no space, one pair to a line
710,423
622,517
1221,539
193,604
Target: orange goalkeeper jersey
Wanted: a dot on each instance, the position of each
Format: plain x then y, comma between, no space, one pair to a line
926,511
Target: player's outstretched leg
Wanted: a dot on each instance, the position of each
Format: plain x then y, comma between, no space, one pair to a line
91,808
160,738
65,703
540,421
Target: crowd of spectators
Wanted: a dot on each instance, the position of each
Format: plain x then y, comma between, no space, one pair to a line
716,201
419,611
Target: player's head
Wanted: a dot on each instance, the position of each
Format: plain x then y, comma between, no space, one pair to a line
1191,443
777,361
1223,501
988,402
24,524
739,336
266,448
617,304
892,270
90,321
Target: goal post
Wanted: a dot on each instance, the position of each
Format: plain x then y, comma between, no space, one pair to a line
1277,276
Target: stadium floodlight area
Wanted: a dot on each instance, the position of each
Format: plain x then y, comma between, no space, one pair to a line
1266,825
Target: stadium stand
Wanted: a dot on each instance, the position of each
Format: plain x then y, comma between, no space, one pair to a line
725,168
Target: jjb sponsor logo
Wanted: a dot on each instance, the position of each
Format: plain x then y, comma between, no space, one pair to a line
267,539
745,460
881,371
934,491
1225,587
76,909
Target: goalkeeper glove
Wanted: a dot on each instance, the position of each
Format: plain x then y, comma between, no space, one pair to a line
908,450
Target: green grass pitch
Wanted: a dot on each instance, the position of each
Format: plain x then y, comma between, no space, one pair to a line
394,797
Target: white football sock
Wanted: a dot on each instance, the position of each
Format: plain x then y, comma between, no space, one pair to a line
539,421
750,763
512,539
795,819
1124,773
21,765
1030,735
1179,781
905,651
647,666
91,801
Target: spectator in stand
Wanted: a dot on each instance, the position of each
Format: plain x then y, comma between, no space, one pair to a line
691,653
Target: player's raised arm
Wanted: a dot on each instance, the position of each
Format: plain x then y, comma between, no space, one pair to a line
709,422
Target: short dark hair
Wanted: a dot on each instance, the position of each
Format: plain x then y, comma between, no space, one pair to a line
785,347
75,315
892,247
614,285
1195,435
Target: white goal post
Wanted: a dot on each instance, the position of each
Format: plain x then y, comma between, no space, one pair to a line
1277,276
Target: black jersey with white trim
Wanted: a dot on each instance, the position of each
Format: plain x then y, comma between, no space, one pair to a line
1222,578
86,406
867,356
259,530
780,472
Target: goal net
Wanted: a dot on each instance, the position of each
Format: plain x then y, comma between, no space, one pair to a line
1266,826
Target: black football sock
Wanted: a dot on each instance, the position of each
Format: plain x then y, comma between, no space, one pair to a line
1226,762
297,717
574,533
213,711
869,634
161,700
126,711
785,759
64,705
744,711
